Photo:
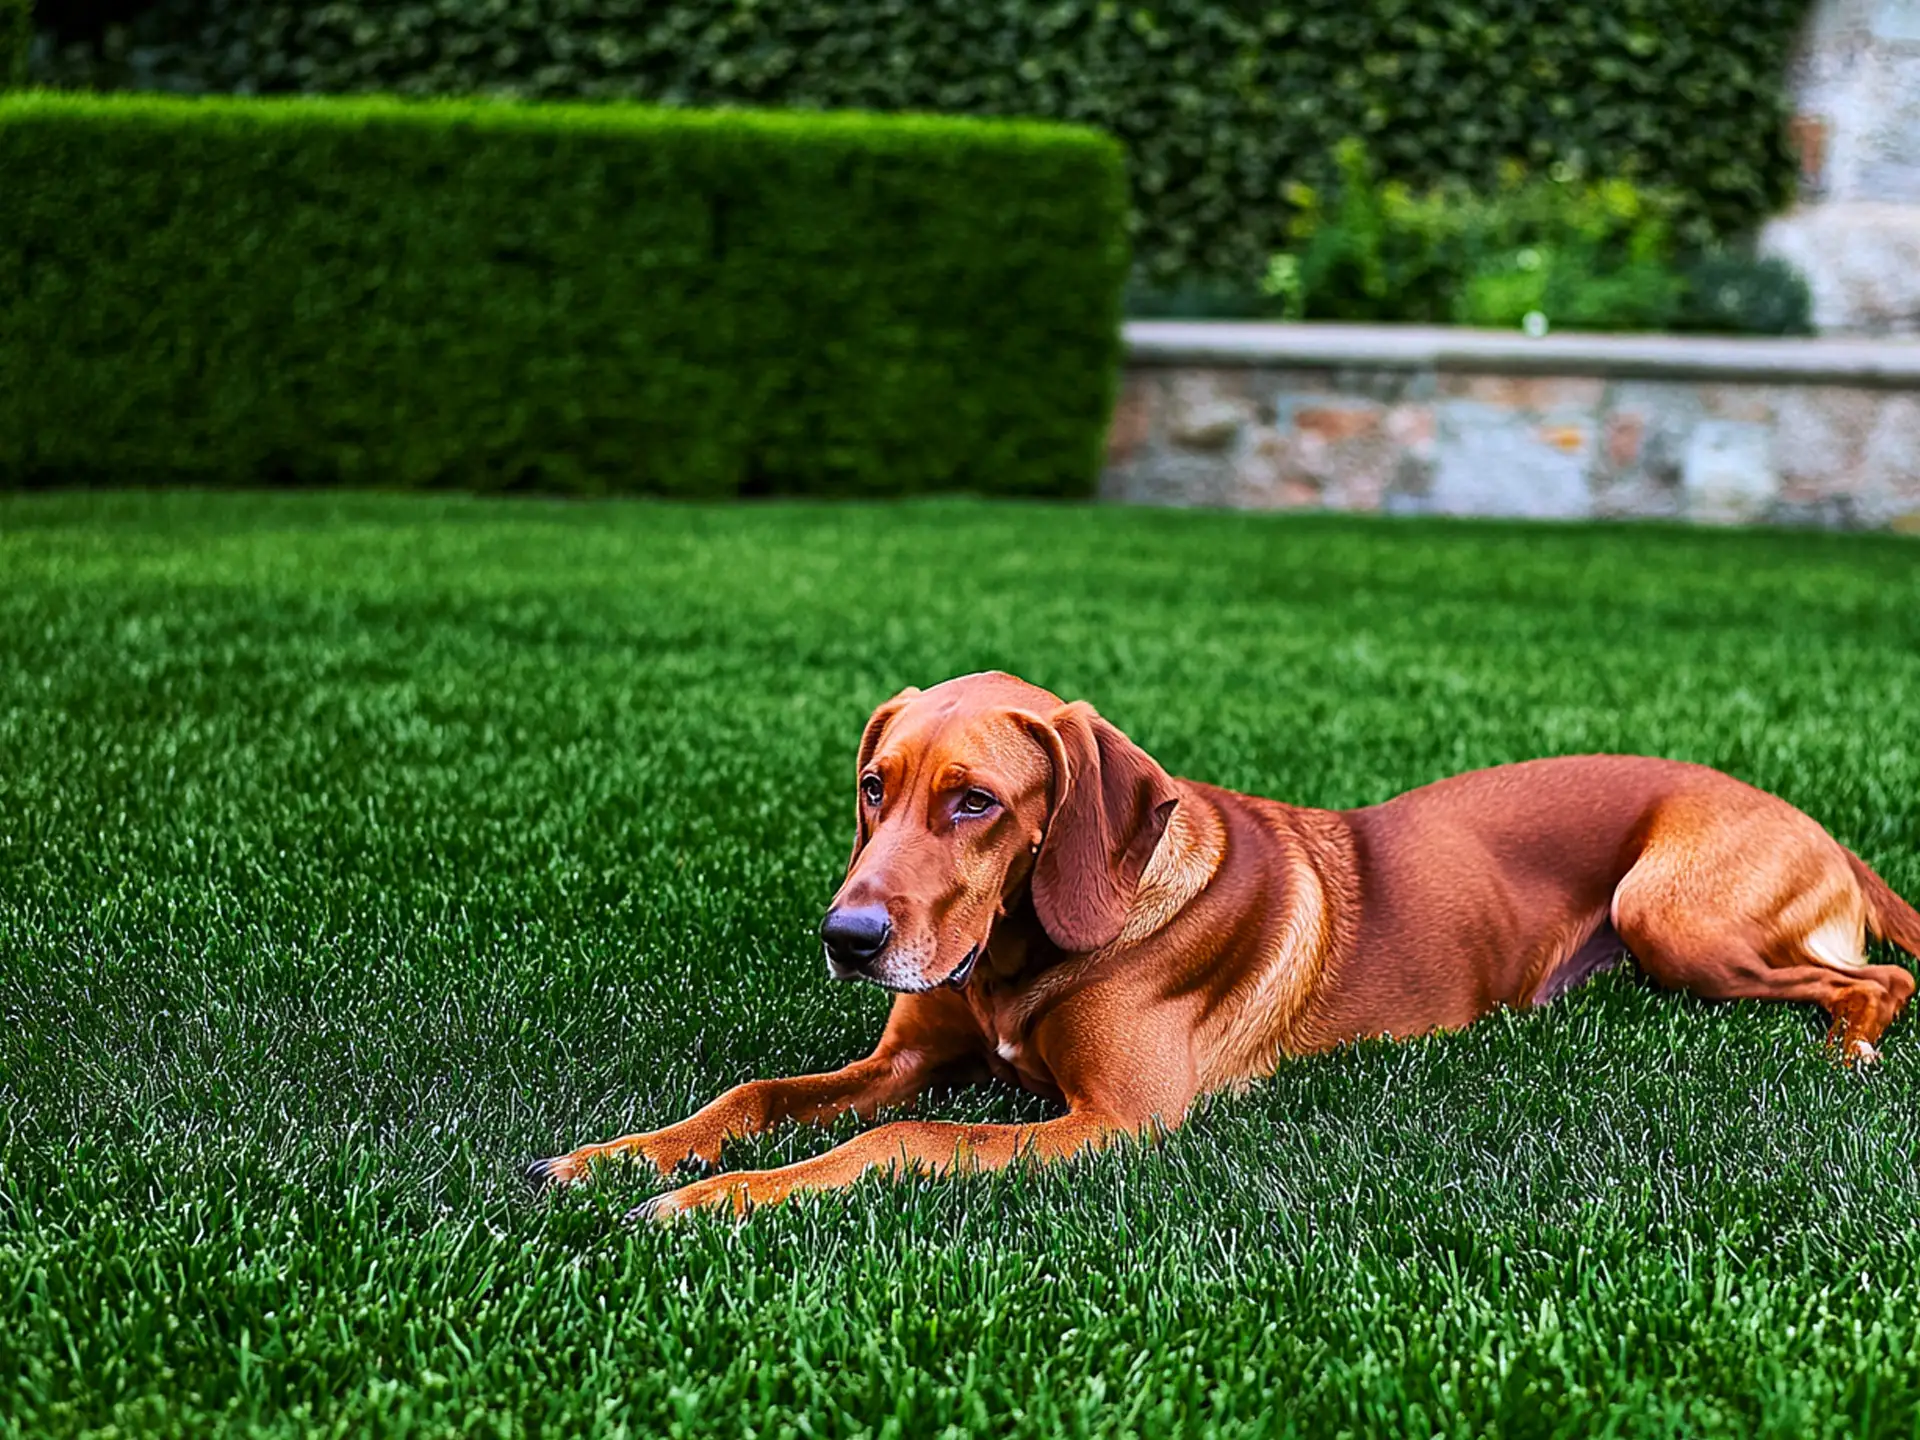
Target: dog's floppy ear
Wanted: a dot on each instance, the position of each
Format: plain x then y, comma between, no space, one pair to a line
870,742
1111,804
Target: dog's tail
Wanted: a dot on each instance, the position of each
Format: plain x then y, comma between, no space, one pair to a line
1888,916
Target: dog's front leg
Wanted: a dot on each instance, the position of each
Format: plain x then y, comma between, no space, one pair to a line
908,1146
926,1035
1143,1086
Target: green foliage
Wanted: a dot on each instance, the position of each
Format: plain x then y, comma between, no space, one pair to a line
583,299
1582,257
1594,255
1735,291
1374,250
1220,103
1568,290
356,849
1200,297
1577,254
16,40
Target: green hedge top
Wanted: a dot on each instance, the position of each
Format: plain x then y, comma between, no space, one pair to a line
1220,103
585,298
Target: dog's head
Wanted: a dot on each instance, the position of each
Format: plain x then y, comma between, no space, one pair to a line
965,794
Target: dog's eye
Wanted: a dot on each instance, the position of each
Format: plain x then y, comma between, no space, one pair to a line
976,802
871,789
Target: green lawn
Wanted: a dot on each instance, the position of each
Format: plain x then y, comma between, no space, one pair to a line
355,850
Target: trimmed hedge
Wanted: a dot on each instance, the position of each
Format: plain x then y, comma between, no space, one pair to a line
585,299
16,40
1220,103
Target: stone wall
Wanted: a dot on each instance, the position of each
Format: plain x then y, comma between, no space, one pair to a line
1455,436
1855,234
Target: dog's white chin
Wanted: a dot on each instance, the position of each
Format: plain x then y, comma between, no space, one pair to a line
903,975
912,982
918,985
920,982
905,978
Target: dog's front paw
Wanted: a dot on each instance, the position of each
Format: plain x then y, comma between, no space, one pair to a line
664,1150
557,1171
721,1192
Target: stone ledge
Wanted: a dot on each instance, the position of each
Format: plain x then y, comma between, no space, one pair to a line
1860,363
1324,428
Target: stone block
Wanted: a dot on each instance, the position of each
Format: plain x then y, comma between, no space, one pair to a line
1643,431
1820,438
1362,479
1491,460
1534,394
1574,439
1133,416
1634,497
1885,139
1269,474
1626,434
1411,485
1339,456
1276,390
1755,403
1173,478
1411,427
1889,485
1810,136
1334,424
1833,512
1861,260
1207,409
1381,385
1728,475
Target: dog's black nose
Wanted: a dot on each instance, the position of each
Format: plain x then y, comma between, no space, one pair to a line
853,933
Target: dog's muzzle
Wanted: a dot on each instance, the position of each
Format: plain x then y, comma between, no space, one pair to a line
853,937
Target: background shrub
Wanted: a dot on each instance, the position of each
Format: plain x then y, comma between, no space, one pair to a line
1600,255
578,298
1219,103
1735,291
1592,255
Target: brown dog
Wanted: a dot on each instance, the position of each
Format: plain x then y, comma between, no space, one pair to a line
1053,908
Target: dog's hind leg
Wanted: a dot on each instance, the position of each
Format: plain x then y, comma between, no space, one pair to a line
1730,912
1861,1003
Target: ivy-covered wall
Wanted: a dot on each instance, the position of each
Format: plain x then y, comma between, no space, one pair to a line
1219,103
16,36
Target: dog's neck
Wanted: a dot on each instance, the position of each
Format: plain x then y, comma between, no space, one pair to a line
1017,946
